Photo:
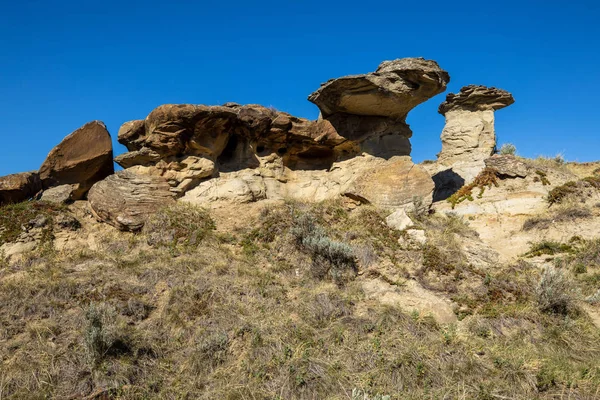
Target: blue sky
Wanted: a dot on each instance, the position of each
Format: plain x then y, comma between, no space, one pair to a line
64,63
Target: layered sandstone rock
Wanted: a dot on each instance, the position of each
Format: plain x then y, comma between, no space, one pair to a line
247,153
19,187
125,200
468,137
83,158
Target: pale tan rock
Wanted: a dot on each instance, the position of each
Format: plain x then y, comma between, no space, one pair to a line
395,184
60,194
399,220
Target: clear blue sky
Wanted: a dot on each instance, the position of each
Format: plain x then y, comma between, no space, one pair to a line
64,63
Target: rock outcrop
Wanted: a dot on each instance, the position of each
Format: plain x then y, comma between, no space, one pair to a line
247,153
125,200
468,137
19,187
83,158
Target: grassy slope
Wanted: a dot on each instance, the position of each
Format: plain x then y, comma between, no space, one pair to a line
264,313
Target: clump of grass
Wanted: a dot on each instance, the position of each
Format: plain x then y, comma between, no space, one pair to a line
101,335
548,247
15,216
569,213
559,193
485,179
555,292
181,223
593,181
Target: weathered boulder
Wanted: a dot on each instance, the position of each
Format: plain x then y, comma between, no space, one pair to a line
395,88
476,98
19,187
399,220
125,200
508,165
397,184
59,194
83,158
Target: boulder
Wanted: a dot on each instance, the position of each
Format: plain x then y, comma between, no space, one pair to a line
476,98
395,88
399,220
59,194
396,184
19,187
83,158
508,165
125,200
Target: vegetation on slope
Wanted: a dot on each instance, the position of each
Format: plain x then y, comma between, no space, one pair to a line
277,311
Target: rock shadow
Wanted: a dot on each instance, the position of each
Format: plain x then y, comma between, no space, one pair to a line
447,183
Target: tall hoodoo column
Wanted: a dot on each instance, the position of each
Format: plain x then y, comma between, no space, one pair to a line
469,137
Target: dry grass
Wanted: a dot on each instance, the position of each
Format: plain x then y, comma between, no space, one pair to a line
245,318
567,213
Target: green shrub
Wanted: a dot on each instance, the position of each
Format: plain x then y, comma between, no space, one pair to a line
557,195
101,336
485,179
330,257
508,148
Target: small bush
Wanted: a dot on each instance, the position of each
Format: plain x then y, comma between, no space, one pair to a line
14,216
101,336
508,148
330,257
564,214
485,179
554,292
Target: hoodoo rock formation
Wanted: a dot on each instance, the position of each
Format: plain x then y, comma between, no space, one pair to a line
359,147
247,153
468,137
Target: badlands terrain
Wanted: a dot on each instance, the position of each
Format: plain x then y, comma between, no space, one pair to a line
244,253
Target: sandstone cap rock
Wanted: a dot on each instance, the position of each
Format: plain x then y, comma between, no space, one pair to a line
395,88
476,98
